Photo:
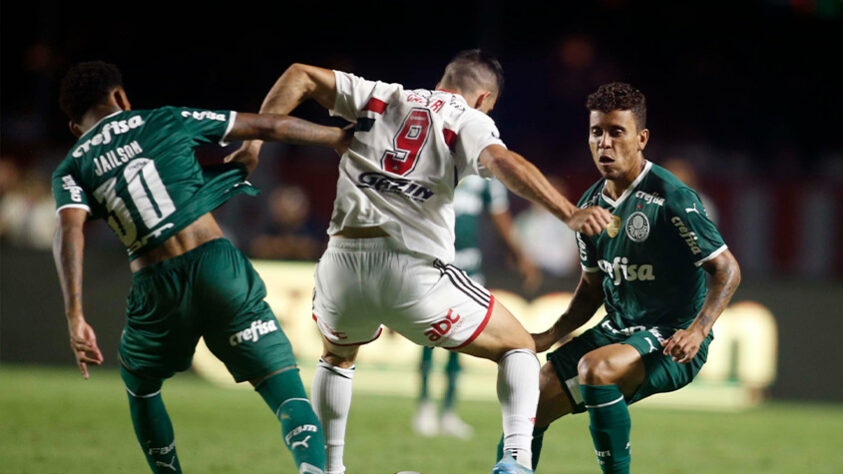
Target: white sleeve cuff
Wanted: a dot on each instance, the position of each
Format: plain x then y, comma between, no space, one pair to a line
589,269
232,117
77,206
711,256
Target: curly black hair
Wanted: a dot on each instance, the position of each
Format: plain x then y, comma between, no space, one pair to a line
86,85
619,96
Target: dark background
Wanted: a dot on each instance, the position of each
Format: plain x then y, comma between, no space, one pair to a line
749,93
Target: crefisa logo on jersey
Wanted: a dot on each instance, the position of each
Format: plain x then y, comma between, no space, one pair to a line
637,227
253,333
620,269
117,127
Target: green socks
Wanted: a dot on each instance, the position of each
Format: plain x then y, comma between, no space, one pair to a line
609,427
303,435
152,424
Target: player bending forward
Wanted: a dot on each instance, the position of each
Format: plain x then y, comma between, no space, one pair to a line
649,269
137,170
392,234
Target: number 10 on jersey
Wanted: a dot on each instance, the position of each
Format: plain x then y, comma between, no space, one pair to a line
408,143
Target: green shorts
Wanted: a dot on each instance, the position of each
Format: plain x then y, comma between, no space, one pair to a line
663,374
213,292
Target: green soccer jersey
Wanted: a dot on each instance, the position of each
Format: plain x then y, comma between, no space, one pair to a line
474,195
137,170
652,251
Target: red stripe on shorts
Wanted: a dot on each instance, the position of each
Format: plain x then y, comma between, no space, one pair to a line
479,328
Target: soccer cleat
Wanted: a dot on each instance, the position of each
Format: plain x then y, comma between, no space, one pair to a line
452,425
508,465
306,468
424,421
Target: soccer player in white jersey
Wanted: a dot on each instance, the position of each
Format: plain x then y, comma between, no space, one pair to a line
392,234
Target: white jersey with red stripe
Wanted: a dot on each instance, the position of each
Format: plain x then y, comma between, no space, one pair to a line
410,149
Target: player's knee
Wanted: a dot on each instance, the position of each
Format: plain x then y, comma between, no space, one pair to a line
343,360
595,370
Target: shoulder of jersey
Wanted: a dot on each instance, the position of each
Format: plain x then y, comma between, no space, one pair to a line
666,182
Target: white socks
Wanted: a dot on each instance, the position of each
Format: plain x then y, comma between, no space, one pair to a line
331,396
518,392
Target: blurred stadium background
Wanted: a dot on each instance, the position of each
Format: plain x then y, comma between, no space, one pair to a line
744,103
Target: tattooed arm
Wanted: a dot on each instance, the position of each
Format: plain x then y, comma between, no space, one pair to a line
68,246
725,278
588,298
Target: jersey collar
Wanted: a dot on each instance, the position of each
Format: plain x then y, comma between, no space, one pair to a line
99,122
629,189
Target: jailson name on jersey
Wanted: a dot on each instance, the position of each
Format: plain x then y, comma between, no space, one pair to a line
619,269
119,156
116,127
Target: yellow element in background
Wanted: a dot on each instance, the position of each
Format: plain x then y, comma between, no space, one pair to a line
741,361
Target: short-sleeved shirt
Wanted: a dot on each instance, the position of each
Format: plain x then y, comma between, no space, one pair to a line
137,170
474,196
651,254
410,149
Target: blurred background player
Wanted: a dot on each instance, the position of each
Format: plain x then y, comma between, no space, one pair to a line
473,196
137,170
392,234
649,270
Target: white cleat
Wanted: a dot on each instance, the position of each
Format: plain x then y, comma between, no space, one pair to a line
452,425
425,421
306,468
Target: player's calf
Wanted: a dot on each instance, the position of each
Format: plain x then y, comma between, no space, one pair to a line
302,432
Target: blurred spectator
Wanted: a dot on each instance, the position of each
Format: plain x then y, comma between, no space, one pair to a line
292,233
27,209
683,170
552,244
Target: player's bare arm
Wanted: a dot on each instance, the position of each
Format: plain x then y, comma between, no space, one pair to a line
587,299
725,278
299,83
525,180
68,247
276,127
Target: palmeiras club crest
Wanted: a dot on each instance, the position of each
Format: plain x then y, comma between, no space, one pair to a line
637,227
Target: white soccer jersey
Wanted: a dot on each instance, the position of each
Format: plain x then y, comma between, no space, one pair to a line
410,149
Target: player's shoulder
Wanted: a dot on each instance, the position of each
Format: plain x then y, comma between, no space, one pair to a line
663,183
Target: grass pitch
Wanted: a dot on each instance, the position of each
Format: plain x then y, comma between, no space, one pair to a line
51,421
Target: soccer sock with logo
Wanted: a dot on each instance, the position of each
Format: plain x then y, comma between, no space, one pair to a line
453,371
331,395
426,364
518,392
303,436
151,421
536,446
610,426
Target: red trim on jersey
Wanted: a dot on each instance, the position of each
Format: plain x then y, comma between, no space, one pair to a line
446,90
375,105
450,138
380,330
480,328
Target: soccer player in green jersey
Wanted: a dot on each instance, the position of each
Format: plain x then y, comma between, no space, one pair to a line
649,270
137,170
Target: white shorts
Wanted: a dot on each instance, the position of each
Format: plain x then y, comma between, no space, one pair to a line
364,283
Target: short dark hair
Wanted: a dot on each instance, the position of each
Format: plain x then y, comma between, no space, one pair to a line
620,96
87,85
474,68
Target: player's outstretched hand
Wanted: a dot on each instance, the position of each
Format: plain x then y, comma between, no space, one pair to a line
83,342
590,221
684,344
347,136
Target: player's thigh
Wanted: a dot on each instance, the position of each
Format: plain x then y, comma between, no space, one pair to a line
502,333
241,329
613,364
160,335
553,401
662,373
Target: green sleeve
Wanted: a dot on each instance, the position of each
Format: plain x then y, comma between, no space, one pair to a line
204,126
67,190
688,220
